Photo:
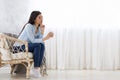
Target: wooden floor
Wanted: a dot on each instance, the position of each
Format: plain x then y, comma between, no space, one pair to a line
65,75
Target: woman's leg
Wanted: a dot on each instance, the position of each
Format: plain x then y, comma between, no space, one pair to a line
38,51
42,53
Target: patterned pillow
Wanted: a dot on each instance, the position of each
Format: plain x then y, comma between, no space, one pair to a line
6,54
10,43
3,43
11,35
21,55
4,48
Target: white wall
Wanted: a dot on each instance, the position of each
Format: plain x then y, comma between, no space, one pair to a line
61,13
80,13
13,15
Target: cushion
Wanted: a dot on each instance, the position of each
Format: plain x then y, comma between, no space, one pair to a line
3,42
11,35
5,54
6,50
21,55
9,42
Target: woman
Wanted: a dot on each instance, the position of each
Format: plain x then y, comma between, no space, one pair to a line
33,32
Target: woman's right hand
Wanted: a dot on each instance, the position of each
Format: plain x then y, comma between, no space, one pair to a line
50,34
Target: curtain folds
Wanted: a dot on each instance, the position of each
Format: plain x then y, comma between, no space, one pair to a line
84,49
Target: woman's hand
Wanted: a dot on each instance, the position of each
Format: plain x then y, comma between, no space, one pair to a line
42,28
49,35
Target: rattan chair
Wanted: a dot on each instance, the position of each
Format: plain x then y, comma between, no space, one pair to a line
12,56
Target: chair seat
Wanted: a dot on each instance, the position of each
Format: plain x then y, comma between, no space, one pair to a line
22,55
14,61
7,55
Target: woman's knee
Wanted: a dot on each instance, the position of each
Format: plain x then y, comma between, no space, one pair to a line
37,45
40,45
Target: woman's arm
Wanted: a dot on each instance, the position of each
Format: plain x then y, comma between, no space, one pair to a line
42,29
30,34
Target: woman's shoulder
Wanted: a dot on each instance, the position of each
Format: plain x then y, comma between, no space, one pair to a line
28,26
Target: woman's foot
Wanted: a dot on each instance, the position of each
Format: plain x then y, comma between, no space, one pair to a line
36,72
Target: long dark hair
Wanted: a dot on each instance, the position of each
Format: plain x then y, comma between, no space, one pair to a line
32,18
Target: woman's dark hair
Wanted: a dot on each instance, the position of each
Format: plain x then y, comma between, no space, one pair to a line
32,18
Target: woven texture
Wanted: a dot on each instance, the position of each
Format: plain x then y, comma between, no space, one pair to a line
10,52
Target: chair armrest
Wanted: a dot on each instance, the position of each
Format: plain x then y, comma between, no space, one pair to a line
12,38
6,38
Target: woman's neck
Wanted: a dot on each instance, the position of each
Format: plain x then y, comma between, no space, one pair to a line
36,25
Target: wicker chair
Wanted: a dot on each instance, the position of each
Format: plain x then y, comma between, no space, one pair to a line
9,54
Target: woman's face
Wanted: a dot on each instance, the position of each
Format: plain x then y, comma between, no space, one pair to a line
39,19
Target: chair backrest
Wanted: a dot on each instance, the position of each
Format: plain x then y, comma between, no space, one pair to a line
3,42
4,48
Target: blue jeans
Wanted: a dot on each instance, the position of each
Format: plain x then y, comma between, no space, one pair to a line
38,52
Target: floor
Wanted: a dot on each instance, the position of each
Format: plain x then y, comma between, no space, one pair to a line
65,75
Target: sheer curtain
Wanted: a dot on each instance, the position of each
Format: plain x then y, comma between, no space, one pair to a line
84,49
86,33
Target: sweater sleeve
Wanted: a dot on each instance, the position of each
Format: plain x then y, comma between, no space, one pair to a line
30,35
40,35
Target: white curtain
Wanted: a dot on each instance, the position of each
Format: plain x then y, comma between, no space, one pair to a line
84,49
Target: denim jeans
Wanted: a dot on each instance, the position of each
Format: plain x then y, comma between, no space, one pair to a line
38,52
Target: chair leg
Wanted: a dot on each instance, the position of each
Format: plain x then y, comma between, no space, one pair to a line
45,70
12,68
28,73
28,70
